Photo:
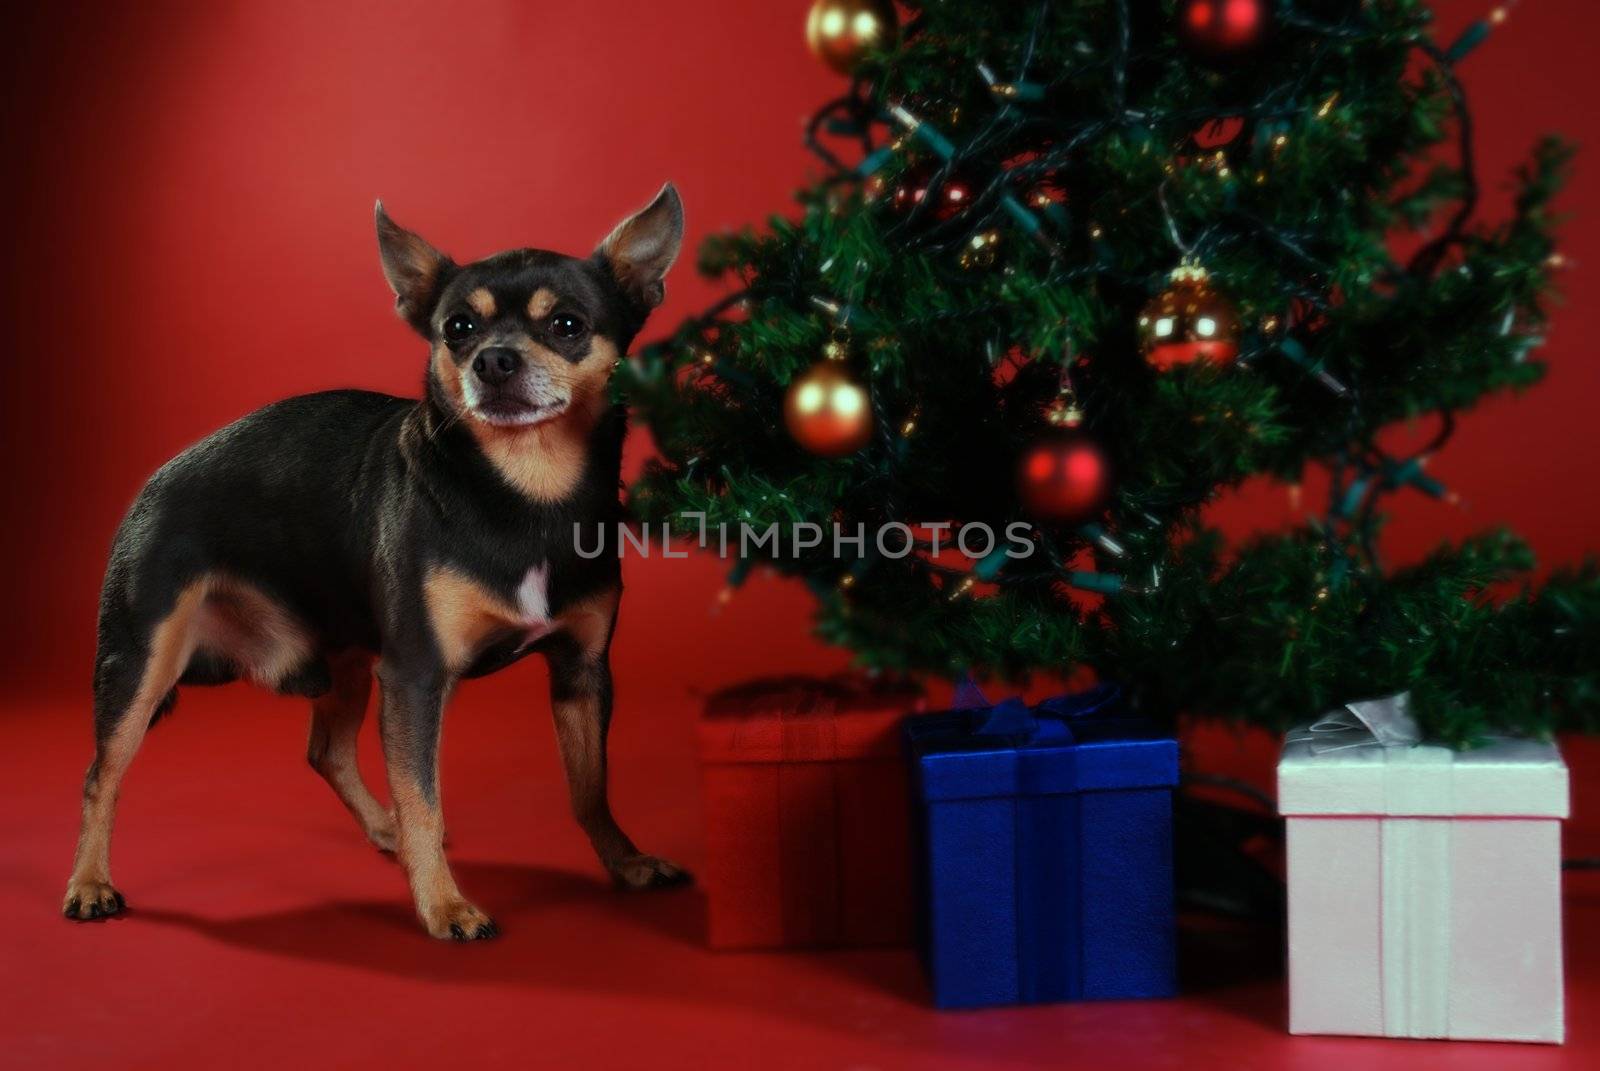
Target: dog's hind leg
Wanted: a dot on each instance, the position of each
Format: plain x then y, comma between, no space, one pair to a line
133,681
336,719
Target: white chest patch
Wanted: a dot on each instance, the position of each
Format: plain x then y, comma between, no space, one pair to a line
533,601
533,598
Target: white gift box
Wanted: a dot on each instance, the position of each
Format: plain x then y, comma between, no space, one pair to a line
1424,886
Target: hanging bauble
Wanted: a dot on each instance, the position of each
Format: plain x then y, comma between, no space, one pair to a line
1189,321
1223,29
1065,477
953,194
827,411
841,32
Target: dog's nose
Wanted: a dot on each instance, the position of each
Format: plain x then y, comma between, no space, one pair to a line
496,364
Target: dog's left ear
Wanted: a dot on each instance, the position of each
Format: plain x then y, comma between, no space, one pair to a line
643,246
415,270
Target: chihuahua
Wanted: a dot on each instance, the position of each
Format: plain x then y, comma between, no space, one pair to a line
334,535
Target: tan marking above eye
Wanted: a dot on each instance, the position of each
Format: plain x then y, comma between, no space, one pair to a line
541,303
482,302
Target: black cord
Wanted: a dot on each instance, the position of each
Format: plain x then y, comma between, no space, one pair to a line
1427,259
1009,122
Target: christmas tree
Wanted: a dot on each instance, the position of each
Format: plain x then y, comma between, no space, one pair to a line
1075,270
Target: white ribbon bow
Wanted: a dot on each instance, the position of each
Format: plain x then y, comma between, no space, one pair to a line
1382,722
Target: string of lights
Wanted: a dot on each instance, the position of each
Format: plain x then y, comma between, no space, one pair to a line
1017,204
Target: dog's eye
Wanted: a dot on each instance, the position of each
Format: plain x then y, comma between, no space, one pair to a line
564,326
458,327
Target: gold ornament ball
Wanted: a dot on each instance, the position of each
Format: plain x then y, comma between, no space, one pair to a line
841,32
1189,321
827,411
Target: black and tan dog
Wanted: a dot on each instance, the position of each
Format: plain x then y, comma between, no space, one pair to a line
325,533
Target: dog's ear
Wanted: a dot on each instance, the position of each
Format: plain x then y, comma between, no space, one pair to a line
643,246
416,271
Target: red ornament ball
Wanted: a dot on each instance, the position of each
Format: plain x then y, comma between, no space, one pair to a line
1223,29
953,194
827,411
1064,477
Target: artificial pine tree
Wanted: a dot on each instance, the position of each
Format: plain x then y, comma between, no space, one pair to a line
1083,266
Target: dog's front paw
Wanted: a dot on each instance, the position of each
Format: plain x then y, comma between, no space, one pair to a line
88,899
459,920
648,872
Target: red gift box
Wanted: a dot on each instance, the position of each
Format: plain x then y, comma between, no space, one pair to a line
807,813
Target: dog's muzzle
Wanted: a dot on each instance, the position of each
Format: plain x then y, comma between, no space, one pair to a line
504,388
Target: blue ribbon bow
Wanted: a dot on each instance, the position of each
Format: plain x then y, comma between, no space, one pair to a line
1014,719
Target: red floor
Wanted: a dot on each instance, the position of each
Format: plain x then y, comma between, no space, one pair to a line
263,932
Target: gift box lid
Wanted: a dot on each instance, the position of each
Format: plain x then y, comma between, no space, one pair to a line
1078,743
1348,772
806,719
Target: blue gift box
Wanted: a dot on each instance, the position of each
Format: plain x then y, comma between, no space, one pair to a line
1046,855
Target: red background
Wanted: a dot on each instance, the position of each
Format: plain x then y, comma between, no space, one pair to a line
190,237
